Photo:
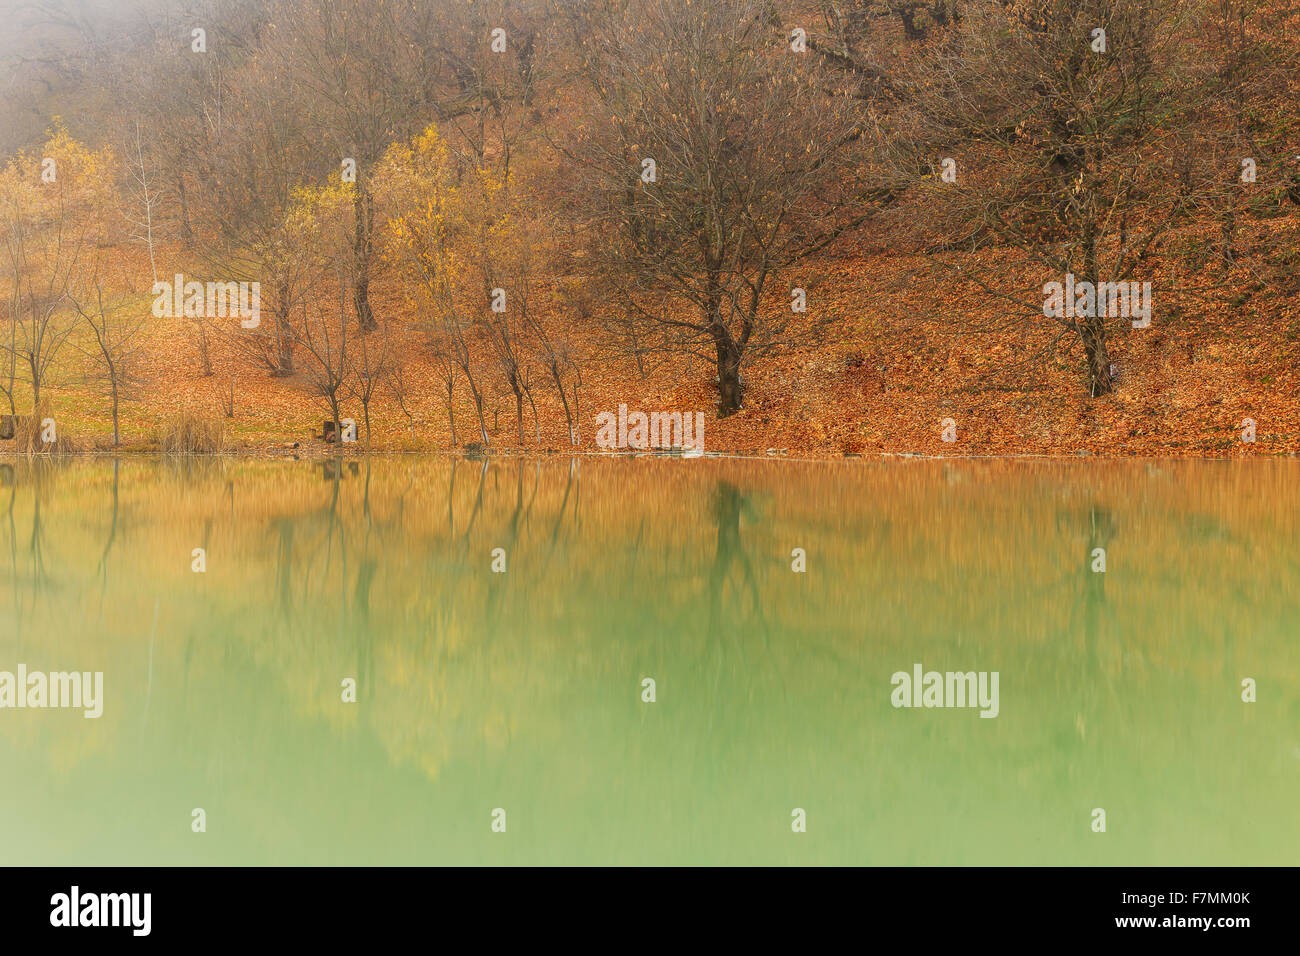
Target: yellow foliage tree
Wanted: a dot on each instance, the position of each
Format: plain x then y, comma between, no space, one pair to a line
55,206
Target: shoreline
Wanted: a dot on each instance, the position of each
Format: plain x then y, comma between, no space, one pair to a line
326,453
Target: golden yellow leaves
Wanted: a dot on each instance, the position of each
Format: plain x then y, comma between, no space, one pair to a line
64,175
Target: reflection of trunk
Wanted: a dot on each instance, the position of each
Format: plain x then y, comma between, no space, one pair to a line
1100,529
564,504
112,530
361,602
364,635
284,568
35,547
13,533
497,581
478,502
334,521
363,214
726,514
727,507
112,378
361,597
451,501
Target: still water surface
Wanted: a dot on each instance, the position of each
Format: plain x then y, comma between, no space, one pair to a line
523,690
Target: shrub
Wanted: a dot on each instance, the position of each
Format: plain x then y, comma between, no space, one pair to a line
189,433
29,433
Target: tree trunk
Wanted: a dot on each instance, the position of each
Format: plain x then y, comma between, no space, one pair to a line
482,422
568,415
338,422
187,233
537,425
1100,380
113,378
1228,226
1093,328
205,357
451,415
910,29
478,407
13,365
519,413
729,384
362,206
284,339
577,408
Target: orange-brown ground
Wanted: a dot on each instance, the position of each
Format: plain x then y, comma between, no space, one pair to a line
905,347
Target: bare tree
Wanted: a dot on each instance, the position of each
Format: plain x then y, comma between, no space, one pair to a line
505,335
399,383
1068,112
1253,65
440,346
256,169
374,73
322,338
453,328
144,196
47,227
371,364
714,164
558,359
431,237
116,328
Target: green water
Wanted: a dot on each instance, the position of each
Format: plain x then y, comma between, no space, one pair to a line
522,690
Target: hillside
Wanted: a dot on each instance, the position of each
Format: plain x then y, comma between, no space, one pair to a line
880,382
829,231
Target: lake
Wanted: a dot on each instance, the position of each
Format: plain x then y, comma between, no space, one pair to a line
524,688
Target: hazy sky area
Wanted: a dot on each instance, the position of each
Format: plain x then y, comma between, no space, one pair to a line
47,47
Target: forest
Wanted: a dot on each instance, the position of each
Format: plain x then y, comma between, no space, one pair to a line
842,228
